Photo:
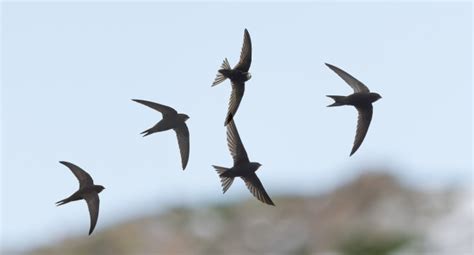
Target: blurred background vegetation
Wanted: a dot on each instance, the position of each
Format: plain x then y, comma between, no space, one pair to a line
373,214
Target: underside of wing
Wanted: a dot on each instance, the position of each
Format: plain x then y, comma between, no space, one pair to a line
82,176
256,188
92,200
182,134
236,96
235,145
245,54
355,84
363,122
165,110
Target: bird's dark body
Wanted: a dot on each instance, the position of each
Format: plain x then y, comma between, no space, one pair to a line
163,125
78,195
235,75
167,123
242,170
356,99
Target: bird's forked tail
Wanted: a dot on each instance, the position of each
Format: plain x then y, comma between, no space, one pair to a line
147,132
220,77
64,201
226,181
338,100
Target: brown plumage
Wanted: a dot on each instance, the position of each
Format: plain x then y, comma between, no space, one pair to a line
237,75
361,99
87,191
242,167
171,120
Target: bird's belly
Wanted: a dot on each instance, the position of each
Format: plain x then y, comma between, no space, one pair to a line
164,125
239,77
77,195
241,170
357,99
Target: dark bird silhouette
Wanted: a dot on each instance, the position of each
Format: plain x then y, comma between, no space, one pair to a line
242,167
171,120
87,191
237,75
361,99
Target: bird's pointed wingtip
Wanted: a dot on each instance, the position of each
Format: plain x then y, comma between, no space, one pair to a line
270,202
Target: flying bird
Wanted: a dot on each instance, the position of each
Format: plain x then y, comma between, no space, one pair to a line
242,167
171,120
237,75
87,191
361,99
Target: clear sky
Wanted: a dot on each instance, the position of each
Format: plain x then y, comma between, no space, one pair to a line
69,72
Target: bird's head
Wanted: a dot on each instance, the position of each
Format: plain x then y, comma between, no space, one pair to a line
183,116
249,76
255,166
99,188
375,96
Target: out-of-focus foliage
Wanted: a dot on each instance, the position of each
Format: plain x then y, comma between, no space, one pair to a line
373,214
370,244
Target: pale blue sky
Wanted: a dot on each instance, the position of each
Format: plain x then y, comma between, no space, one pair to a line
70,70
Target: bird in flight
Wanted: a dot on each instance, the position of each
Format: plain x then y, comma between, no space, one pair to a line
87,191
242,167
361,99
171,120
237,75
